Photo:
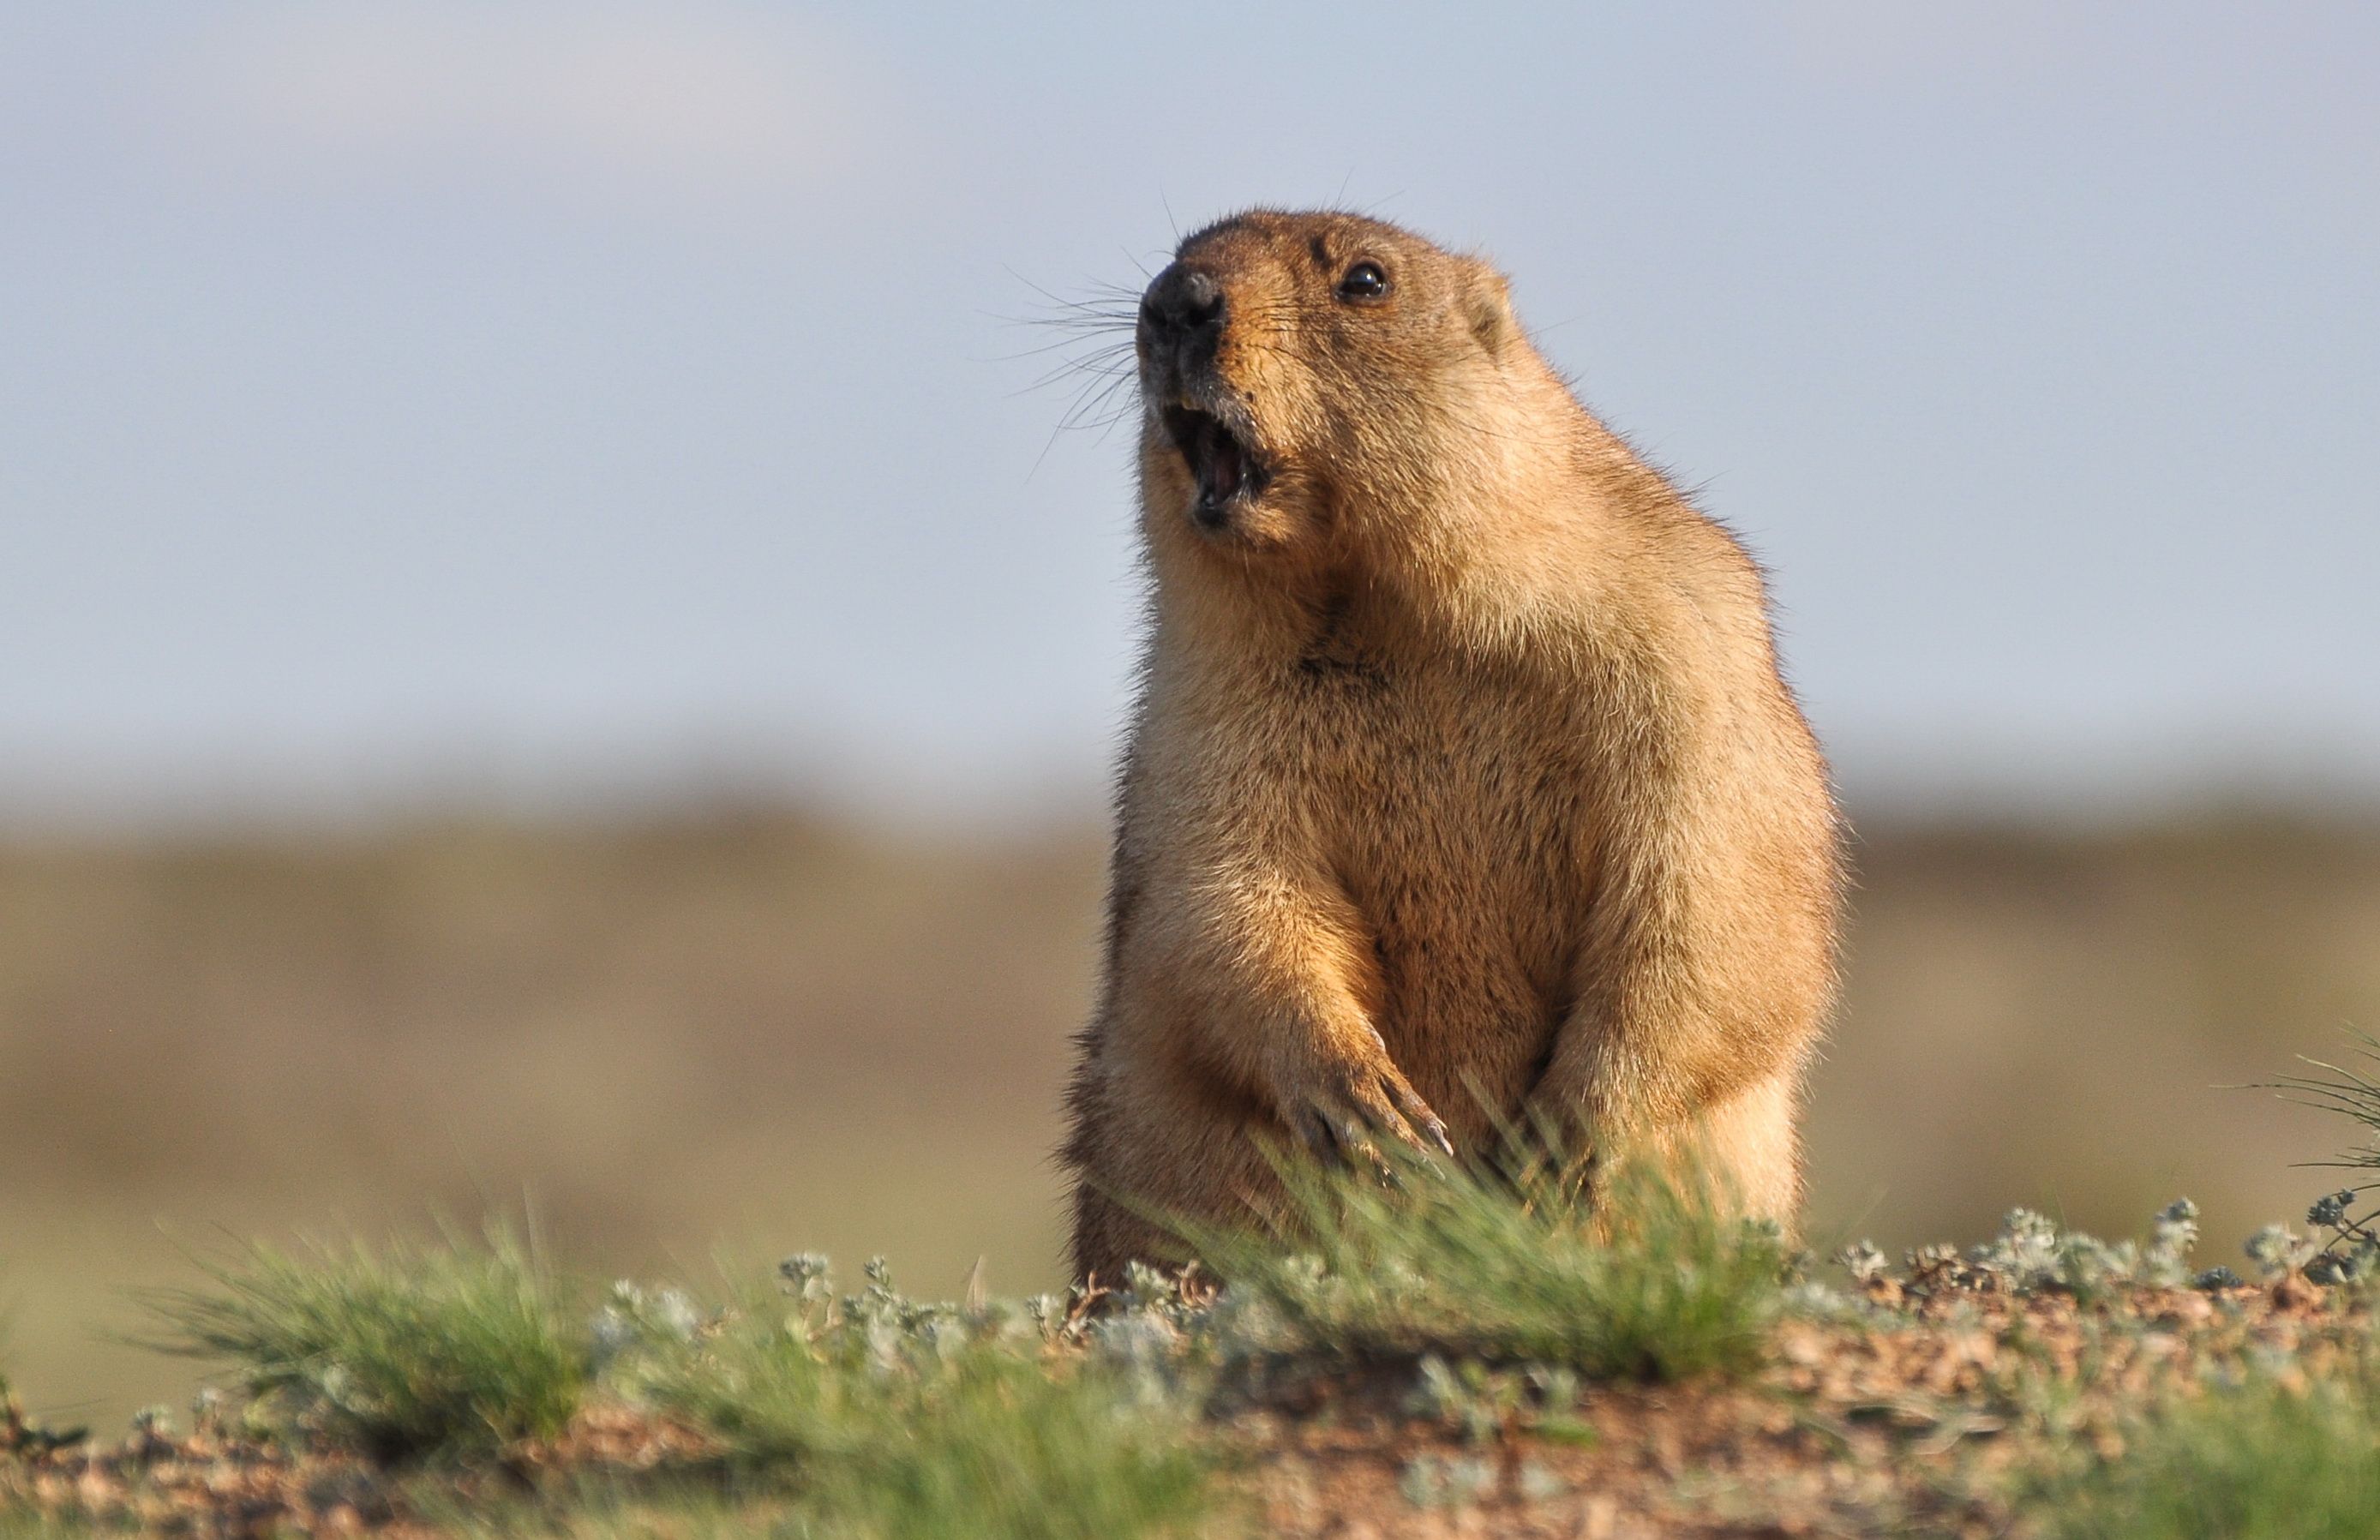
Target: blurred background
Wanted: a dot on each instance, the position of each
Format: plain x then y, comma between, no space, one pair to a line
554,649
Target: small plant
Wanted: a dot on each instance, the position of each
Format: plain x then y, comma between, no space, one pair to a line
2350,1254
1642,1281
405,1351
634,1317
2276,1249
2174,1235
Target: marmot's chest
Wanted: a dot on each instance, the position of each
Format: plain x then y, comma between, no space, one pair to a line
1436,784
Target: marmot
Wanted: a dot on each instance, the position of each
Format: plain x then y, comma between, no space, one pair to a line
1462,789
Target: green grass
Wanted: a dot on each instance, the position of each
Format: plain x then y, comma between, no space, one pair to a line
2260,1462
405,1351
1005,1450
916,1422
25,1525
1465,1263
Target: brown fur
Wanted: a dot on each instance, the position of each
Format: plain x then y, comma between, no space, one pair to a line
1461,775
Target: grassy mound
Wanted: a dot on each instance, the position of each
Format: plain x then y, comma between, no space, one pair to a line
1440,1338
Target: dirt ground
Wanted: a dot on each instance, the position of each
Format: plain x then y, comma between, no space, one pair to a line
1922,1417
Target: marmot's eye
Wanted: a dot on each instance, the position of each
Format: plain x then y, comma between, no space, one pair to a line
1364,280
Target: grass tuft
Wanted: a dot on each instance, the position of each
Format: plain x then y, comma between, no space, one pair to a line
1458,1262
1008,1450
894,1419
405,1351
2350,1254
2262,1462
23,1524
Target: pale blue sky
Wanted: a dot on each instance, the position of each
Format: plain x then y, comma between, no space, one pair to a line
528,400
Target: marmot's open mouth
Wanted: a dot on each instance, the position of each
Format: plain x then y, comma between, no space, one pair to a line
1223,467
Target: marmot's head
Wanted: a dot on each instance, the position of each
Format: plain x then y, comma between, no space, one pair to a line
1302,371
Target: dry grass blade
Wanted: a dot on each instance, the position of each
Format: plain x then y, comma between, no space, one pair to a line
2347,1092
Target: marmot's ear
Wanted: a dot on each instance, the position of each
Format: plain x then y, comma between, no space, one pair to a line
1487,305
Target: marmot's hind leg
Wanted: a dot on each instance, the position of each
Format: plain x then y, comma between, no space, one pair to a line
1747,1147
1178,1156
1108,1236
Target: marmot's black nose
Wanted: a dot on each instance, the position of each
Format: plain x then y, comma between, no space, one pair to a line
1182,302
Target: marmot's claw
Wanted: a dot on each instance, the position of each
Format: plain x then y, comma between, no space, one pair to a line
1355,1145
1348,1123
1422,1118
1341,1130
1340,1138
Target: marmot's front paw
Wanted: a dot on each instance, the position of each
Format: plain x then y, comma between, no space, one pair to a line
1342,1107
